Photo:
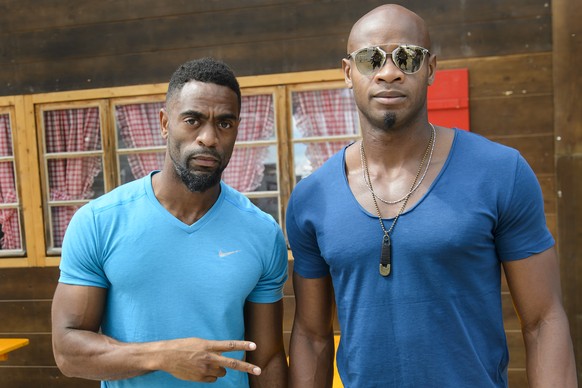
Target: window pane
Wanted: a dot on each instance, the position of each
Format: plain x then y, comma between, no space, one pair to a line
7,183
72,130
138,125
257,118
5,136
10,230
269,205
135,166
75,179
324,113
252,169
310,156
60,217
10,226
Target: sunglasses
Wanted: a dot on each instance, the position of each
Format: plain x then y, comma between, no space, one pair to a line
407,57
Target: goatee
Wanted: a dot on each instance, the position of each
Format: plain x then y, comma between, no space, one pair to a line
199,182
389,120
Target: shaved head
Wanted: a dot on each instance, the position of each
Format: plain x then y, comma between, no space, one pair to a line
389,23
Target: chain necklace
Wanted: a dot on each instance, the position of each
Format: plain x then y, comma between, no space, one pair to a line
413,189
386,253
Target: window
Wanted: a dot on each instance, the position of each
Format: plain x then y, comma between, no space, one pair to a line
140,146
72,164
253,168
325,120
74,146
90,147
11,239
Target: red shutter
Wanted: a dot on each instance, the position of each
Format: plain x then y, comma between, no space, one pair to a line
448,99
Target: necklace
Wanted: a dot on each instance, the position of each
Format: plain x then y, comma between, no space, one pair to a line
413,189
386,252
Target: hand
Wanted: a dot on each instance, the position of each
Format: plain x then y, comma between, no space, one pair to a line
201,360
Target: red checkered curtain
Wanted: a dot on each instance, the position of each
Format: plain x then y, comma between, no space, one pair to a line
247,166
139,126
8,217
71,179
329,112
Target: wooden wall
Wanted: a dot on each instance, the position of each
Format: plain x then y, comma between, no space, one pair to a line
506,44
69,44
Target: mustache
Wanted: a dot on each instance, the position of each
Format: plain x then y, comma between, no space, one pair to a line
205,152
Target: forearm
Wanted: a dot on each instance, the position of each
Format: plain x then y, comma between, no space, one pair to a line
94,356
549,354
274,373
311,361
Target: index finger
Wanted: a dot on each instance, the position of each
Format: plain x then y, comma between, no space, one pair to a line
233,363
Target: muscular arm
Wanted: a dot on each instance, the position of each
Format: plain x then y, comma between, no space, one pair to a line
81,351
264,327
312,346
534,284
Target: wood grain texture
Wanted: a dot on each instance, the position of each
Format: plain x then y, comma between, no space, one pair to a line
100,44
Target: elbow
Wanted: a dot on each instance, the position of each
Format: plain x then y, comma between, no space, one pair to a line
64,365
64,362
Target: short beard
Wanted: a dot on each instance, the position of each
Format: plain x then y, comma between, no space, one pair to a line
389,120
198,182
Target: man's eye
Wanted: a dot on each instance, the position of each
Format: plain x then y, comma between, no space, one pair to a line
225,124
191,121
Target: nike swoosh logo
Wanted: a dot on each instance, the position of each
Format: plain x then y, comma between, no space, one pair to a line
224,254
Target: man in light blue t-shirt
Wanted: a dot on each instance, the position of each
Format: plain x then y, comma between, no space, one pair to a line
176,279
408,231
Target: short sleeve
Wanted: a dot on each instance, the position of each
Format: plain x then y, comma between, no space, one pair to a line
270,286
308,261
522,230
80,258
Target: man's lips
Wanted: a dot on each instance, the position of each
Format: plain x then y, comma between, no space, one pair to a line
389,94
388,97
205,160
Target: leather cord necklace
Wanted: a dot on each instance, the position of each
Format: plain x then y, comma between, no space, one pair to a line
386,252
369,184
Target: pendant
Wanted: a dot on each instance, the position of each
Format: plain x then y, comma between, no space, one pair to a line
386,256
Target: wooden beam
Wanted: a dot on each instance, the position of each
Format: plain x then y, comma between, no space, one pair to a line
567,76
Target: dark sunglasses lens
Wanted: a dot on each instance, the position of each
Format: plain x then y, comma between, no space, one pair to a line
369,60
408,59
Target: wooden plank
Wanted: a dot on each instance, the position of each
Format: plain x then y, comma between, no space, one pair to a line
506,76
569,170
82,56
457,38
27,283
513,116
22,317
567,36
536,149
38,353
15,15
45,377
548,185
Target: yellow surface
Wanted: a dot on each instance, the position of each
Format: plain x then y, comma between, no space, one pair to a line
10,344
337,383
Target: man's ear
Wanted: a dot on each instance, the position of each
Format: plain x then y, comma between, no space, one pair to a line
164,123
347,69
432,66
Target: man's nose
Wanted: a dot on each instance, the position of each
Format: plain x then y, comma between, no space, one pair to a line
207,135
